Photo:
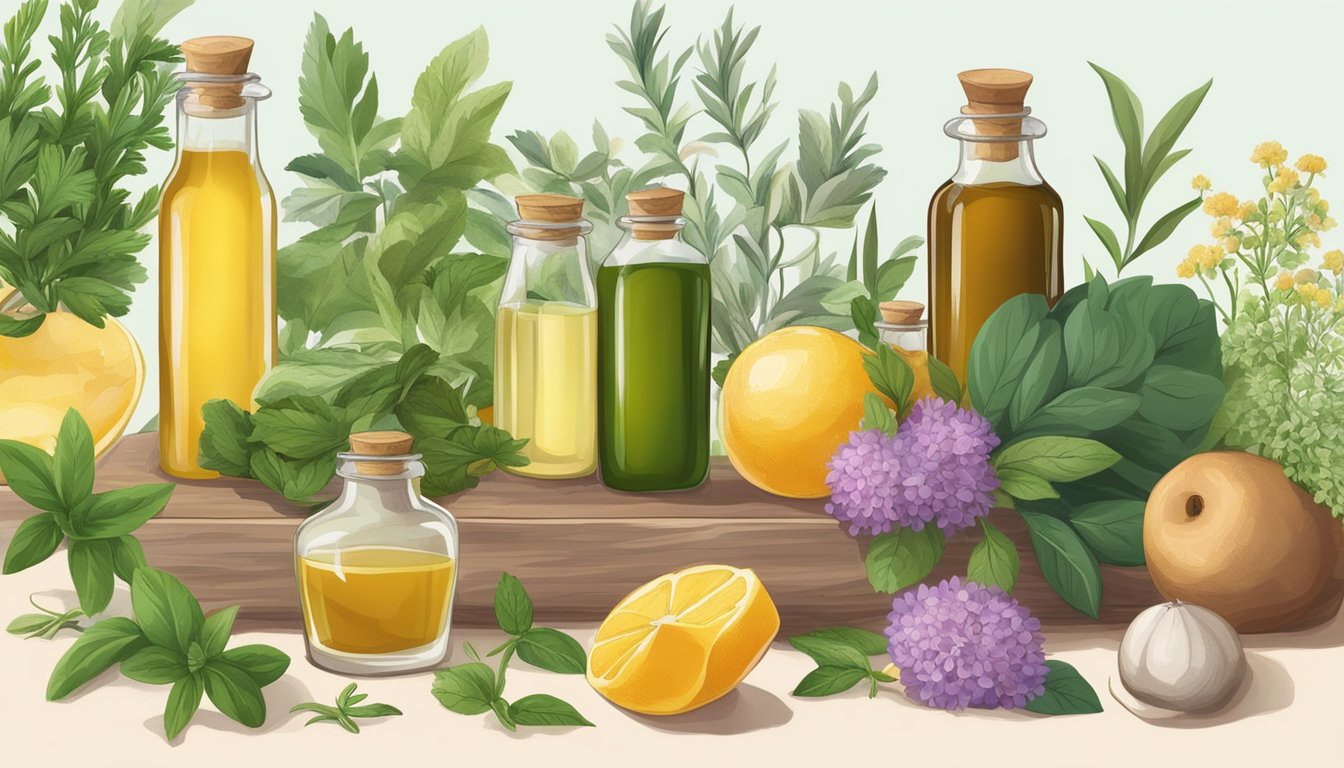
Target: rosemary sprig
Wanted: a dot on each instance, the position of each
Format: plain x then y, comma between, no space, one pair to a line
346,710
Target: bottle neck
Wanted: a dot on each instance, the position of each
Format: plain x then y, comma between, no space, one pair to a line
378,493
996,162
218,131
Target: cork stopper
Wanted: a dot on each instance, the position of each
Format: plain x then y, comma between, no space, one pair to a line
995,92
901,312
550,209
217,55
389,443
656,202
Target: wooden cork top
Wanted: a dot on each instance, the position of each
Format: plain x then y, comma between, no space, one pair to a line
656,202
995,92
388,443
550,209
901,312
217,55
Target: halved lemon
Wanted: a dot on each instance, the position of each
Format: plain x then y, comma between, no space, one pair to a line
683,640
65,364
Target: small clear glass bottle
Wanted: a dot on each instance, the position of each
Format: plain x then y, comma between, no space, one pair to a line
903,329
546,340
377,569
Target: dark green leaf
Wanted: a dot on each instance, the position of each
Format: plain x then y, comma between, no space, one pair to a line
994,561
167,612
155,665
467,689
862,313
944,380
1180,399
72,467
1091,409
34,540
1042,378
235,693
91,571
119,512
1067,563
1054,458
29,473
431,408
301,427
830,653
183,700
828,681
224,443
1066,693
215,632
128,556
541,709
903,557
297,480
552,650
1000,353
861,640
1112,529
513,607
1164,228
890,374
263,663
17,329
876,415
1108,239
456,463
102,645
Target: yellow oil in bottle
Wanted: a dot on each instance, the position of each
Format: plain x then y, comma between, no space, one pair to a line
546,385
216,295
918,360
374,600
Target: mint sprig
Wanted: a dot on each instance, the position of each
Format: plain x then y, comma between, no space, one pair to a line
347,708
97,527
475,688
842,655
172,642
45,624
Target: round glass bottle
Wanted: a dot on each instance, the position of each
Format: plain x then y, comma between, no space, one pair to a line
546,340
996,228
217,231
653,351
377,568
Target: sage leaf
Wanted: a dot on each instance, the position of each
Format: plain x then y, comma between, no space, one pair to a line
552,650
91,571
34,540
1180,399
865,642
903,557
102,645
1066,693
235,693
828,681
513,606
29,473
1000,354
1068,565
467,689
1043,378
183,700
1054,458
1112,529
1088,408
165,609
215,633
155,665
540,709
345,711
994,561
263,663
72,466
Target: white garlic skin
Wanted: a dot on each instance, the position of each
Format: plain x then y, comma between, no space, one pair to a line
1181,656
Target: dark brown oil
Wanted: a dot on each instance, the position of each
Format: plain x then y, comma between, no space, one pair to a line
987,244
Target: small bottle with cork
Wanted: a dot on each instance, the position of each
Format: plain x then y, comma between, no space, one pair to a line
217,232
653,309
378,567
546,340
904,329
996,227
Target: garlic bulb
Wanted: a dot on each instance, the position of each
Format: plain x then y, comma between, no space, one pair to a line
1181,656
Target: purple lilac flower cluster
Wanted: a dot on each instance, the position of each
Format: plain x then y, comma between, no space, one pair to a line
934,470
961,645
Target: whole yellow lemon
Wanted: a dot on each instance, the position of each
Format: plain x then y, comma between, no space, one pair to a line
791,399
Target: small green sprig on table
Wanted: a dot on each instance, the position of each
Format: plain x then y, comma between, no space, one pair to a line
843,661
46,624
474,688
347,708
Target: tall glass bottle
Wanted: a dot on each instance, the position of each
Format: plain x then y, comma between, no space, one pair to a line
217,230
378,567
546,340
653,352
996,229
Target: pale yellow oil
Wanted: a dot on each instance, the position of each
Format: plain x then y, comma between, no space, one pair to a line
375,600
546,385
216,295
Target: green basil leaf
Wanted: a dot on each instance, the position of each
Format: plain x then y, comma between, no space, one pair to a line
1043,378
513,606
994,561
552,650
431,408
1066,693
903,557
944,380
828,681
72,467
452,463
467,689
215,632
91,571
1057,459
102,645
225,445
263,663
890,374
30,475
167,611
829,653
876,415
861,640
235,693
501,708
1113,530
128,556
1091,409
296,480
1000,353
301,427
1180,399
1069,566
1025,485
17,329
183,701
155,665
34,540
117,513
541,709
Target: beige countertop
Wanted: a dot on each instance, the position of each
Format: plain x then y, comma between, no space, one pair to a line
1287,715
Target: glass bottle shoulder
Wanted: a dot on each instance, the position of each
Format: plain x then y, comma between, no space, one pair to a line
632,252
382,513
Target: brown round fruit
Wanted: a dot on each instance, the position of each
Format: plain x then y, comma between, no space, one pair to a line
1229,531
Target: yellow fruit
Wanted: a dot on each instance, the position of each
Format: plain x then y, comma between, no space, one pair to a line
789,401
683,640
65,364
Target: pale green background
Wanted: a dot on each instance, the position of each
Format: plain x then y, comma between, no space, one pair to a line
1277,71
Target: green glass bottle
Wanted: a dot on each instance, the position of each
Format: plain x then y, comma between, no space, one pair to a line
653,296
